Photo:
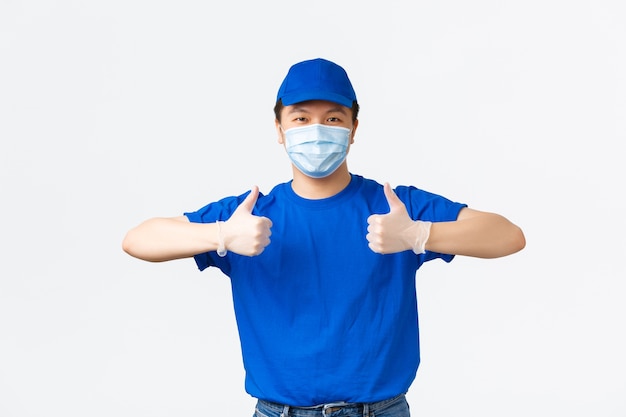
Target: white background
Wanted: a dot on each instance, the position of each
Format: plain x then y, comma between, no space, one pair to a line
115,111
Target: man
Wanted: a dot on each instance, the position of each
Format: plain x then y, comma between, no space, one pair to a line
323,267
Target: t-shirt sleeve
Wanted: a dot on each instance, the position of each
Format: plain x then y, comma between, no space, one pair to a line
427,206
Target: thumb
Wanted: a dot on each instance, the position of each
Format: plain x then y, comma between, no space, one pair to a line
250,200
392,199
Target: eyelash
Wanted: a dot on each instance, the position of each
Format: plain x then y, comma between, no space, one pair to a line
330,119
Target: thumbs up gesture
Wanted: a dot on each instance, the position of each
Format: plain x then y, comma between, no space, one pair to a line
245,233
396,231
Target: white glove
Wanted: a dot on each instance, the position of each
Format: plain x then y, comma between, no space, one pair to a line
396,231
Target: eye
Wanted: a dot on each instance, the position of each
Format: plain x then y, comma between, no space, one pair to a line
333,120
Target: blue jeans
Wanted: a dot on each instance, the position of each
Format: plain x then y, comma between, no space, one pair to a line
394,407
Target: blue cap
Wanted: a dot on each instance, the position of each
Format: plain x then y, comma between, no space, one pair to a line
316,79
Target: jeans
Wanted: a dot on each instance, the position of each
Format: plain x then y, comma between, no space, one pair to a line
394,407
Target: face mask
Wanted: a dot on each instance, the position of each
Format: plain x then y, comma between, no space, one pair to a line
317,150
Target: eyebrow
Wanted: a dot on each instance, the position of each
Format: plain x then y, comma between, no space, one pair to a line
303,109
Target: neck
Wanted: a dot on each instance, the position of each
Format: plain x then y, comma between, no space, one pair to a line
318,188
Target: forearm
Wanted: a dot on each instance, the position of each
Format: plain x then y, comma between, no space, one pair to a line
164,239
477,234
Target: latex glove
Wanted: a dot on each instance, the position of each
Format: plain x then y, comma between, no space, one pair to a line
396,231
244,233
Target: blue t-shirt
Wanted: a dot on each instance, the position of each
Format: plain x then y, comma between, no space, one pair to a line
321,317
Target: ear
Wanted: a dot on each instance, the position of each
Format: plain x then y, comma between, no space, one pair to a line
279,131
354,126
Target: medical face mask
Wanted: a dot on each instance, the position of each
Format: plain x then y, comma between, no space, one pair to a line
317,150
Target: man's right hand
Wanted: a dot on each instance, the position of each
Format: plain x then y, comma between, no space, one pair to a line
245,233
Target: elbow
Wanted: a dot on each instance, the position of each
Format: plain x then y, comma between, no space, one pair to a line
128,245
507,244
132,246
520,240
137,245
516,241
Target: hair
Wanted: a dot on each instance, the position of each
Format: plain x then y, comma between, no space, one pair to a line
278,108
